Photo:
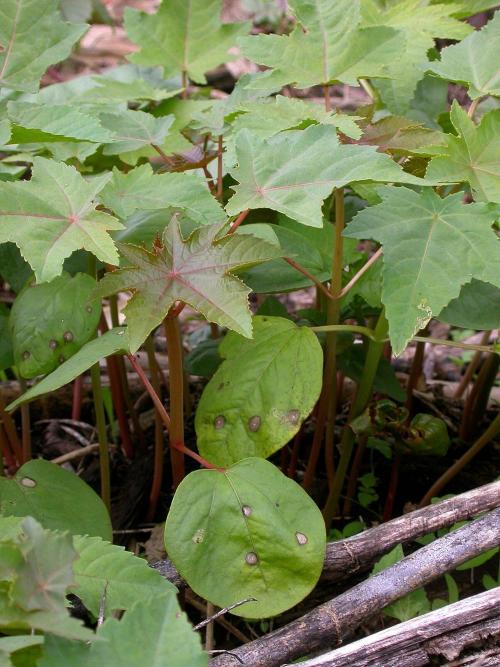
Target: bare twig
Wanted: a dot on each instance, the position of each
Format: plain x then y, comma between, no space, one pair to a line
75,454
221,612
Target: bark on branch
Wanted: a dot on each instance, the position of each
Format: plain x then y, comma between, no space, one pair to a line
358,553
446,633
330,622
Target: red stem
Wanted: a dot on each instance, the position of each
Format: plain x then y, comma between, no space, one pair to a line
176,385
238,221
118,403
219,168
393,487
76,406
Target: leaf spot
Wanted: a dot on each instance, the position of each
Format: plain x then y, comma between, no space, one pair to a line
27,481
301,538
251,558
293,416
68,336
254,423
199,536
88,309
52,344
25,355
62,359
219,422
246,510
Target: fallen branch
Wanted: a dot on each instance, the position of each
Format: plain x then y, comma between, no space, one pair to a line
330,622
358,553
445,632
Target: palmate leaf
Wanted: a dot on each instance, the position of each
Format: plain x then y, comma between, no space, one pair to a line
432,247
472,156
140,190
295,171
134,130
32,37
54,214
433,21
184,36
474,61
328,45
197,271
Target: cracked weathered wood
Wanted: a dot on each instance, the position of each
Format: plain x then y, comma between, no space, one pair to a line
445,634
358,553
330,622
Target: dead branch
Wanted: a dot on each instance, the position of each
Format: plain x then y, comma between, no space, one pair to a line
358,553
446,633
330,622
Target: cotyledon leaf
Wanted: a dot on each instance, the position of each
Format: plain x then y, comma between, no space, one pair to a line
141,190
262,392
472,156
474,61
197,271
432,247
32,37
52,321
54,214
295,171
277,544
111,342
184,36
55,497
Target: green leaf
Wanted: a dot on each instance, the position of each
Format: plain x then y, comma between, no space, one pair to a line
473,62
141,190
262,392
109,343
204,360
464,8
433,21
428,436
54,214
294,172
265,119
33,123
277,543
133,130
32,37
472,156
6,354
58,499
432,247
104,569
399,135
155,632
352,361
52,321
328,45
184,36
477,307
197,271
9,645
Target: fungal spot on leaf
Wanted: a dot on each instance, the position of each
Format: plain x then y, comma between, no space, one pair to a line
62,358
246,510
199,536
25,355
27,481
254,423
301,538
68,336
219,422
251,558
52,344
293,416
88,309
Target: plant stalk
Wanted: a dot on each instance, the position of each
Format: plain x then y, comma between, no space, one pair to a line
176,385
95,375
158,449
25,426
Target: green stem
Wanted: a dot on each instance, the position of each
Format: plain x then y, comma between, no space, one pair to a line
328,399
95,375
491,432
363,394
176,384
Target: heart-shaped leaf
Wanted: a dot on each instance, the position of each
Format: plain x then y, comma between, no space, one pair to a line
277,544
58,499
261,393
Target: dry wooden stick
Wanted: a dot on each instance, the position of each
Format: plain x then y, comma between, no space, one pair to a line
330,622
411,644
358,553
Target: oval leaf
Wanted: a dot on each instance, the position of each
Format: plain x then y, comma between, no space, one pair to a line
277,544
261,393
58,499
52,321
